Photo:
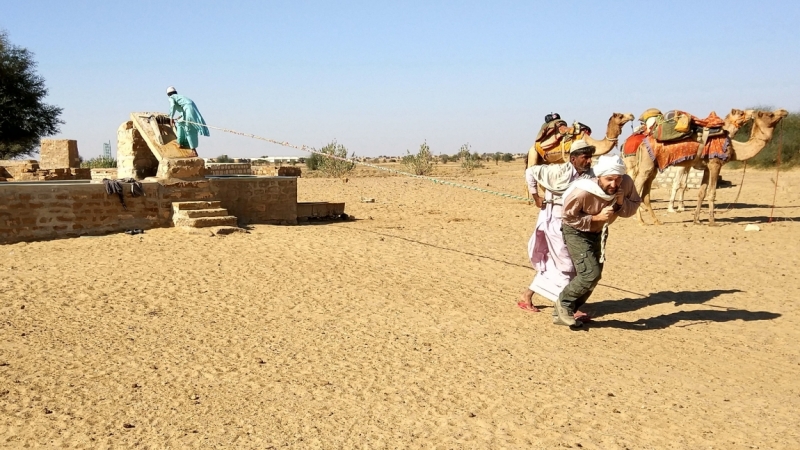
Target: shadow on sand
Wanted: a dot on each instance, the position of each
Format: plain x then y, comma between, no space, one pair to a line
719,314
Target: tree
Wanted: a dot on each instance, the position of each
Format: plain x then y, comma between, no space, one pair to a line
497,157
335,166
469,161
508,157
24,117
444,158
422,162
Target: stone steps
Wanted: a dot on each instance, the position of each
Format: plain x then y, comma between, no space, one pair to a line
201,215
198,213
184,206
205,222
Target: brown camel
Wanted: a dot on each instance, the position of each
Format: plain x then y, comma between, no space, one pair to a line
764,123
733,122
602,146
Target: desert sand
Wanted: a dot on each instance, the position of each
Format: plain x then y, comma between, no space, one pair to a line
400,330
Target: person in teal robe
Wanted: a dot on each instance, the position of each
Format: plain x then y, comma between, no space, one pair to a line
187,127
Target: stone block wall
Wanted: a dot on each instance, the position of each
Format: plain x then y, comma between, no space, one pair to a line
134,158
258,200
29,170
48,211
228,169
100,174
272,171
59,154
667,177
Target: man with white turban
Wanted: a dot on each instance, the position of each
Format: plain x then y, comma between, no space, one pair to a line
590,206
546,249
190,124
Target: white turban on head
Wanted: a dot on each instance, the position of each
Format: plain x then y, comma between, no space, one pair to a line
171,89
609,165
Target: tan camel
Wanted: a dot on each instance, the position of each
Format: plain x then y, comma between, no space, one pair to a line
733,122
764,123
602,146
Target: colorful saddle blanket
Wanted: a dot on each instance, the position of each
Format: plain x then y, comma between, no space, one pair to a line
666,154
632,144
557,147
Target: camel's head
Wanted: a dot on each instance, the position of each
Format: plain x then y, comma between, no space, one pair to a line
765,121
621,118
736,119
615,123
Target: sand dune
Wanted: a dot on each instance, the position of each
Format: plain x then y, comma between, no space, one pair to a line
400,330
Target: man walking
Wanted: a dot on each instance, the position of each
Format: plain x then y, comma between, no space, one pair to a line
190,124
546,248
590,206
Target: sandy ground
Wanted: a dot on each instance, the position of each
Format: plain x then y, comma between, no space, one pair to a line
400,329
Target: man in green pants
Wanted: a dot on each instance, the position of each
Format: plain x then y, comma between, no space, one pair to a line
590,206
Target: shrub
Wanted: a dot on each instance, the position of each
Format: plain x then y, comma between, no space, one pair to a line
333,167
497,157
444,158
508,157
469,161
223,159
421,163
99,163
312,162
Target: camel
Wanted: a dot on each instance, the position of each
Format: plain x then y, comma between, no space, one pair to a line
602,146
764,123
733,122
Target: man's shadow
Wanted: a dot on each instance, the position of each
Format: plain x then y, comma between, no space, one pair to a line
720,314
678,298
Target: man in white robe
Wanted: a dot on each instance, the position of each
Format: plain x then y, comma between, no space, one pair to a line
546,248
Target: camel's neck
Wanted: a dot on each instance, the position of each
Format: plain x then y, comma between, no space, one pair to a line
606,144
743,151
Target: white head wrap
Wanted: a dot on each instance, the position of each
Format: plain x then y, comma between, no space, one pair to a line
609,165
650,122
171,89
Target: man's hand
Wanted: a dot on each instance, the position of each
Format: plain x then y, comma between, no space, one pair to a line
604,215
538,201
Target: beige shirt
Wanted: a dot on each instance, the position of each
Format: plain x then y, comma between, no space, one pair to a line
580,206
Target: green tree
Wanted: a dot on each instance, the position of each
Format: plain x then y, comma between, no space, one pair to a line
335,167
24,117
497,157
508,157
421,163
223,159
444,158
469,161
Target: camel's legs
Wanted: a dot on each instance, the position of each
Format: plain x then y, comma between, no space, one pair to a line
701,195
678,185
714,167
682,189
643,182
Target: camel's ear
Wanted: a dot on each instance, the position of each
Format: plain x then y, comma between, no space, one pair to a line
618,115
736,112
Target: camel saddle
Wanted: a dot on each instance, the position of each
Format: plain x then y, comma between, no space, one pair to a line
632,144
666,154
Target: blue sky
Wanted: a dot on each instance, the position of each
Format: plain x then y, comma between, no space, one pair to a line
382,77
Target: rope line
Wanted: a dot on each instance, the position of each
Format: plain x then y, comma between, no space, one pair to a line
777,173
308,149
741,183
